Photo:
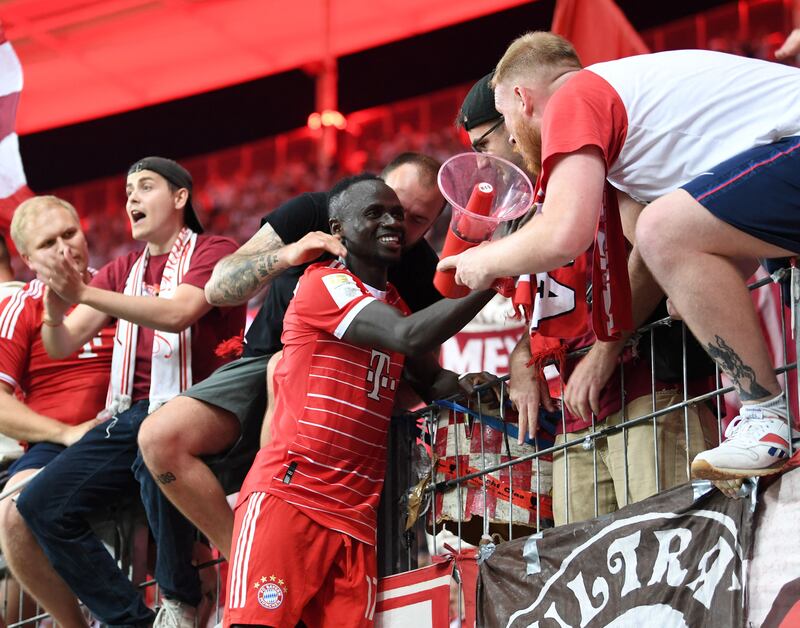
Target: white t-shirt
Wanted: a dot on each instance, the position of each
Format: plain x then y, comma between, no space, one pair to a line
663,119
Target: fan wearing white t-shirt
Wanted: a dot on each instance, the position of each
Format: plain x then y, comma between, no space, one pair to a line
712,142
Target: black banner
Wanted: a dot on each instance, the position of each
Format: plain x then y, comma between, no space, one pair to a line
668,561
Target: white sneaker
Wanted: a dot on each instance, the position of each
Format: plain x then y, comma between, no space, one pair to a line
756,443
175,614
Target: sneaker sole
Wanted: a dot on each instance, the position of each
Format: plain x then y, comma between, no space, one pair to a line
702,470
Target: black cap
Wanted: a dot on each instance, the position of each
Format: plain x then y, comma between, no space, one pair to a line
478,106
176,174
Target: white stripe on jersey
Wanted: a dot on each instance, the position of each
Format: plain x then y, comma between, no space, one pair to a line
333,357
14,307
316,479
349,471
345,434
352,405
244,544
338,381
352,348
339,371
341,328
369,596
330,512
344,416
351,507
370,464
330,444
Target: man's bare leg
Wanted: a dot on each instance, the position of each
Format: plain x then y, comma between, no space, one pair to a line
30,566
172,441
693,256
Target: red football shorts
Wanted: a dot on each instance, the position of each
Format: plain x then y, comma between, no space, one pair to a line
285,567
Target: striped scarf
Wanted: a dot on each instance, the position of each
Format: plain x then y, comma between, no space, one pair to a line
171,365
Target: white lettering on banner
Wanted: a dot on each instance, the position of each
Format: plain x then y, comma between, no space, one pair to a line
626,548
623,561
468,359
599,588
472,352
659,615
667,561
706,583
495,355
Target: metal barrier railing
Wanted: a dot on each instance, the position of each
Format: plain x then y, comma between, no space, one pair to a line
472,409
598,431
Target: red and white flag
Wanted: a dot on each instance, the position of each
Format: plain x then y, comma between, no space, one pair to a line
13,185
419,598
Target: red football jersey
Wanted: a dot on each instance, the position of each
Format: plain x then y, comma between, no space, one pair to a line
71,390
327,456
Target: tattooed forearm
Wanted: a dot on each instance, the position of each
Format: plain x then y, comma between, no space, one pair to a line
166,478
238,277
743,376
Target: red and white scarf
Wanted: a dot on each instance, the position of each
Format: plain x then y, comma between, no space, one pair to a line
554,320
611,287
171,365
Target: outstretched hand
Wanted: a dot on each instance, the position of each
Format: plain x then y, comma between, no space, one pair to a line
62,275
528,392
591,374
311,246
470,267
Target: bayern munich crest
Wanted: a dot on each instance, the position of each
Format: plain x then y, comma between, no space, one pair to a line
271,592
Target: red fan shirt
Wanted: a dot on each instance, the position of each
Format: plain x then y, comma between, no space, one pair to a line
70,390
327,455
217,325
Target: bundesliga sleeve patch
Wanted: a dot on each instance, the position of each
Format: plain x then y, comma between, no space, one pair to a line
342,288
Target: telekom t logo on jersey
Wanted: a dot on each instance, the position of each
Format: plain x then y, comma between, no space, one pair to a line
378,374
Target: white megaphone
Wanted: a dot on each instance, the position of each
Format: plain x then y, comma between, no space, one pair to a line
483,192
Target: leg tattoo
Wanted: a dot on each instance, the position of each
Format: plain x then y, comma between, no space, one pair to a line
743,376
166,478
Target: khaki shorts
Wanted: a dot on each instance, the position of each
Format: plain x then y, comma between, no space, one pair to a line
573,473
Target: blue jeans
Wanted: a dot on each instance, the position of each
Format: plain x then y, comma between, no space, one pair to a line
102,468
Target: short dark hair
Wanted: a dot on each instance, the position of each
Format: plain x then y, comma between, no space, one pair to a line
341,186
427,165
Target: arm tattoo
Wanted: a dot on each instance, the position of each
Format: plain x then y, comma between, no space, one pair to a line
743,376
239,276
166,478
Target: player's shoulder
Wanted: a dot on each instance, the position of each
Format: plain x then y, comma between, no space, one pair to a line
328,267
333,277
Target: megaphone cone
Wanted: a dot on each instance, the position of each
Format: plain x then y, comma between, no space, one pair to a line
483,191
